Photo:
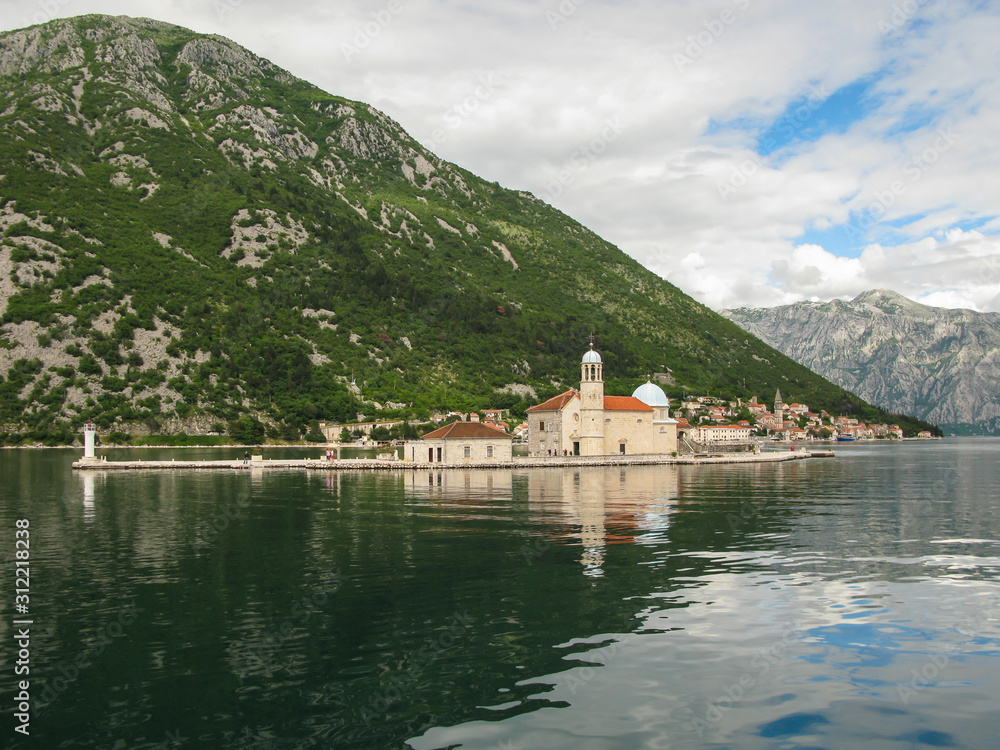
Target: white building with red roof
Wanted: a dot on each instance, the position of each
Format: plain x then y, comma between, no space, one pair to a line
458,443
586,422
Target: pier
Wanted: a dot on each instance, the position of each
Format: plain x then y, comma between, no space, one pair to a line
258,463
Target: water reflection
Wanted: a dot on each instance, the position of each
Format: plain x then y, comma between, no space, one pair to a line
601,506
598,607
590,506
89,480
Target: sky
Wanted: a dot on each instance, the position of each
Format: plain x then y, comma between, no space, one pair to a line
752,152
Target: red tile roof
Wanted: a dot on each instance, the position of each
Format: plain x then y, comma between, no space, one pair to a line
625,403
611,403
465,431
556,402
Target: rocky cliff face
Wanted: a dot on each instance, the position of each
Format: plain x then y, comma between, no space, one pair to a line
937,364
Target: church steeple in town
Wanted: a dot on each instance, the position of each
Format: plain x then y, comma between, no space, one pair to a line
592,402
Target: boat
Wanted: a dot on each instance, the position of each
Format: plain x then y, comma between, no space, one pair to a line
845,439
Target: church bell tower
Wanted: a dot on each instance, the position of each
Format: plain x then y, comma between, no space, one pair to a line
592,404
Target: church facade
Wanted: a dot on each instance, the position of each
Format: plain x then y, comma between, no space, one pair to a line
586,422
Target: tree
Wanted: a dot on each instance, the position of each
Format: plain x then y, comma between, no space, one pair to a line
247,430
345,436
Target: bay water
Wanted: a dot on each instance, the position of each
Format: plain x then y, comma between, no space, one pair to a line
827,603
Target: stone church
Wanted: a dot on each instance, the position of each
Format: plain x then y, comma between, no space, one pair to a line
585,422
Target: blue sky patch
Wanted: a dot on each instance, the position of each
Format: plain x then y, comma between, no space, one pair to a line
835,240
809,117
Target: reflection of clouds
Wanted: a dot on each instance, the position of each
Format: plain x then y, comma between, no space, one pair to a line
744,656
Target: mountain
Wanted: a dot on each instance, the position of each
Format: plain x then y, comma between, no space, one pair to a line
191,235
938,364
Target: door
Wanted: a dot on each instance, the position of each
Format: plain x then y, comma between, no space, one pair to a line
576,447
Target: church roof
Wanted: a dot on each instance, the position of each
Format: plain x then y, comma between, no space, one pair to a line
652,394
466,430
556,402
591,357
625,403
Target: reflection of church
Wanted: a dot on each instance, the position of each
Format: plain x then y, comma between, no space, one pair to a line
607,505
588,423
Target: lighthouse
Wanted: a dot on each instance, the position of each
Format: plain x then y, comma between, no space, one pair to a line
89,434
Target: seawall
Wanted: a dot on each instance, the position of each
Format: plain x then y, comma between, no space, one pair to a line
374,464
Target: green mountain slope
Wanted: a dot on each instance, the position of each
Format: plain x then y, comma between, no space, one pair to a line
190,234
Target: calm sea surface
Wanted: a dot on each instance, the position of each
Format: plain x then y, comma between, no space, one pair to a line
845,603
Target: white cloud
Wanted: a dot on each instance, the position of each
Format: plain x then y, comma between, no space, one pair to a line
561,70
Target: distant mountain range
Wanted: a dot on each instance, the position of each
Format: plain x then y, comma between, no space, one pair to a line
937,364
190,235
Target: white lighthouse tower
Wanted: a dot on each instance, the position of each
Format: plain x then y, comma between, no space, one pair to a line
89,434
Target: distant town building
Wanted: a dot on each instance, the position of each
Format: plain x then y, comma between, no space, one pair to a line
331,430
723,433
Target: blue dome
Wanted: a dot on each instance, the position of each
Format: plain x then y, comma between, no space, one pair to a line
651,395
591,357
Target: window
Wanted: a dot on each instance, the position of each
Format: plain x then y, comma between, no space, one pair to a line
468,451
489,451
541,426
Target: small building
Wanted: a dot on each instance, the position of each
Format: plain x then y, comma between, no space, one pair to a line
458,443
